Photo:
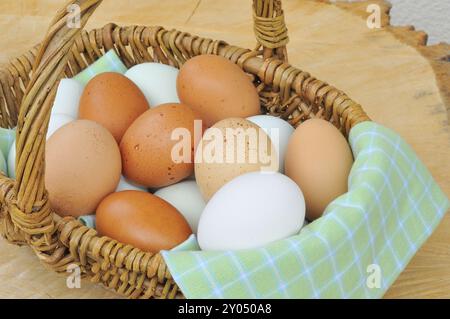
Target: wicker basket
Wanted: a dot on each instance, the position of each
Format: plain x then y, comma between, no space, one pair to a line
28,88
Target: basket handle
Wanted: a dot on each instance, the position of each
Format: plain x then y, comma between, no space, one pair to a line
30,209
270,28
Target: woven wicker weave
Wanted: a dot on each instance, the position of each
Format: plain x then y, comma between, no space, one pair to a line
28,87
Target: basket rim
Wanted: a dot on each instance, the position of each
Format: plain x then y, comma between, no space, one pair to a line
70,232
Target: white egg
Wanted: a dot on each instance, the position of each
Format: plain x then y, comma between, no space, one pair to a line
157,81
67,98
12,161
279,132
126,185
186,197
251,211
56,122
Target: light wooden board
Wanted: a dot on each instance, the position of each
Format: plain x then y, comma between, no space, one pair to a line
389,74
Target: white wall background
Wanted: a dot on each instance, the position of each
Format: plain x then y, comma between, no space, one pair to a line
431,16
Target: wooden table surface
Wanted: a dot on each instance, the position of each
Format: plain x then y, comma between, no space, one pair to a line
387,70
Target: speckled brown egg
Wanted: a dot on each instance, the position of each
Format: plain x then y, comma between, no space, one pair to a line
217,89
141,219
114,101
148,148
82,166
230,148
319,160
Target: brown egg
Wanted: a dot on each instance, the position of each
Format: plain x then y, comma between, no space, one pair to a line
319,160
217,89
229,149
82,166
147,147
114,101
143,220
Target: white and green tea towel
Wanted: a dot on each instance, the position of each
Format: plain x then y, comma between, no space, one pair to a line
356,250
109,62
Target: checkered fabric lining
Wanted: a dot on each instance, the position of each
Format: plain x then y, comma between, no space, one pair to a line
109,62
392,207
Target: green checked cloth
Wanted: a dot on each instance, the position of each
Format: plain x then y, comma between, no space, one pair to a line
109,62
356,250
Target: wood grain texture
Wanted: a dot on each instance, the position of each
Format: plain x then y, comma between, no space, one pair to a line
438,55
389,71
